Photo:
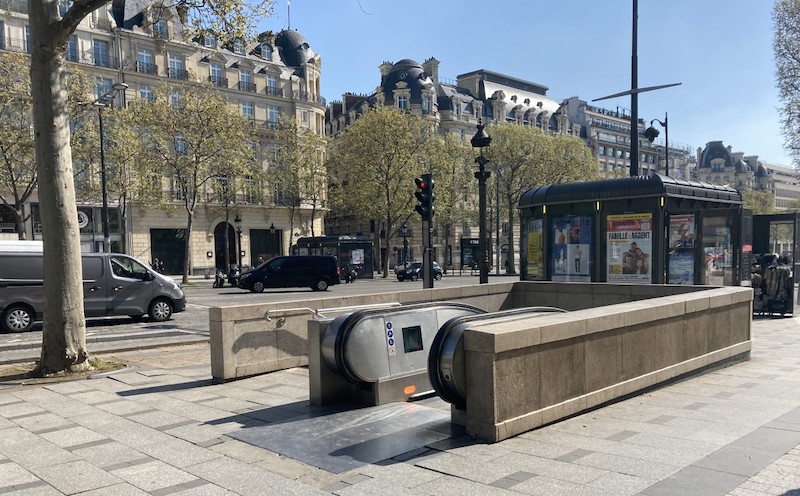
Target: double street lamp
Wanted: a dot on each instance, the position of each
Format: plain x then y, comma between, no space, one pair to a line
482,140
651,134
101,102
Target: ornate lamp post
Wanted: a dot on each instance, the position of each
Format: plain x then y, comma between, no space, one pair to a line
482,140
651,134
404,234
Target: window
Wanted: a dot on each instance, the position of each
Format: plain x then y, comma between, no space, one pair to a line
177,69
209,41
272,85
266,51
2,35
159,27
28,39
402,102
217,77
127,268
63,6
246,80
101,56
72,48
146,93
426,105
144,61
304,117
249,110
273,116
238,47
601,150
180,145
175,98
103,86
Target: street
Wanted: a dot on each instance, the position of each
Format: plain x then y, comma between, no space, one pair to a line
121,333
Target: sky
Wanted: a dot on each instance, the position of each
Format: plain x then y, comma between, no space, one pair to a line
719,50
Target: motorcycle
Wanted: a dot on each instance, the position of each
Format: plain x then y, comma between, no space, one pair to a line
233,275
351,273
219,279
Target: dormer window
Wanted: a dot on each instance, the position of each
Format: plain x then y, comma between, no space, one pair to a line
238,47
266,51
159,27
209,41
402,102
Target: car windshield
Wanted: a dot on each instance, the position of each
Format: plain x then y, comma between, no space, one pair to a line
414,266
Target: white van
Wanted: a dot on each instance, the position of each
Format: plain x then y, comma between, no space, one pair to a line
113,284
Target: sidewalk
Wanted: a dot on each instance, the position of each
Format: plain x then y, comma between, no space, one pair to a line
163,428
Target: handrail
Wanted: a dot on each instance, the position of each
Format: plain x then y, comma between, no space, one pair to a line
287,312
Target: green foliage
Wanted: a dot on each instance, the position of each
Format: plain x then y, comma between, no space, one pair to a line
190,135
786,47
760,202
372,167
297,169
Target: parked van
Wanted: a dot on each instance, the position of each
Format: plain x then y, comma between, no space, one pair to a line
113,284
315,272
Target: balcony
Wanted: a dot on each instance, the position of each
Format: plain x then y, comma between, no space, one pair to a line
247,86
20,6
174,73
273,91
13,45
104,60
146,67
308,97
218,81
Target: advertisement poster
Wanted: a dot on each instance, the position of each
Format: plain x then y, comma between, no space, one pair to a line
629,243
357,256
681,231
572,242
681,267
535,249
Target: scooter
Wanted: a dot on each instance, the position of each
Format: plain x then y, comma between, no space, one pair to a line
219,279
351,274
233,275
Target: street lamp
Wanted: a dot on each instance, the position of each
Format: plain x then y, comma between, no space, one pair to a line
482,140
404,234
103,100
238,222
651,134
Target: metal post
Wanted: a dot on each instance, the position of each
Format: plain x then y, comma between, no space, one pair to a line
104,185
666,143
497,225
482,175
634,94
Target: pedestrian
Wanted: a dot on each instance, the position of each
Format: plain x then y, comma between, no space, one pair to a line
154,264
578,254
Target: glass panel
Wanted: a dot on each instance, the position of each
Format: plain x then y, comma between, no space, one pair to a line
571,255
717,269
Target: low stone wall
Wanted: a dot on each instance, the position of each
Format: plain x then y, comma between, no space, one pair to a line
245,343
618,339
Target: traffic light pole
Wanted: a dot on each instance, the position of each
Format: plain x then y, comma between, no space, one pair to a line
427,262
425,209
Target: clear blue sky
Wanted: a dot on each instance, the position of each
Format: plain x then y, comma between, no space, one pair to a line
720,50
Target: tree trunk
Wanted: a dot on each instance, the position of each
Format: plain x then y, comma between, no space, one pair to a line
64,327
187,249
19,216
510,257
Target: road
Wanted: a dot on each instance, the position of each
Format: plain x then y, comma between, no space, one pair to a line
122,333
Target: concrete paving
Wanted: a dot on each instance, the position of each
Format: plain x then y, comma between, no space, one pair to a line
163,428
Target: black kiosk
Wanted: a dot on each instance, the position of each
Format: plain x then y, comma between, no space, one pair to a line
641,230
352,251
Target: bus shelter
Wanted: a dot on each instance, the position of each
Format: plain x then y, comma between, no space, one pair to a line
352,251
643,230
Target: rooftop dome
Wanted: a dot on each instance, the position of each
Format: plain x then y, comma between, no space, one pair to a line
409,72
294,49
715,150
762,171
742,167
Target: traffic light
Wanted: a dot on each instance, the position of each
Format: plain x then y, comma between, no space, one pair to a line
424,195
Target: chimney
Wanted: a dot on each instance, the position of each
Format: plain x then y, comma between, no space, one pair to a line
431,68
384,68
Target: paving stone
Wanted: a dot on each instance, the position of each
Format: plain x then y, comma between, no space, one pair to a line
11,474
154,475
72,436
247,480
695,481
106,455
76,476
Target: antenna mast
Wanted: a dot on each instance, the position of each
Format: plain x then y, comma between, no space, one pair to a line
289,12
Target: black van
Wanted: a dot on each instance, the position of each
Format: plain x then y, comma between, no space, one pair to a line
315,272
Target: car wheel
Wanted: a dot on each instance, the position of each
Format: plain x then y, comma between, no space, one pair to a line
17,318
257,287
160,310
438,276
414,277
321,285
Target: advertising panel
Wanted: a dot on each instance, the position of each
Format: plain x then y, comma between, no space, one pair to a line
629,244
535,249
572,242
681,231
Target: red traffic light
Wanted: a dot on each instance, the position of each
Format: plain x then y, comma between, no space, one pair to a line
420,183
